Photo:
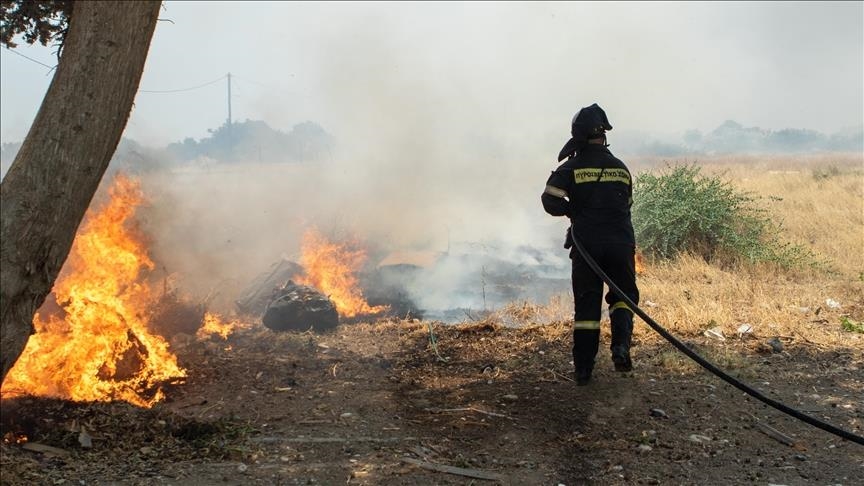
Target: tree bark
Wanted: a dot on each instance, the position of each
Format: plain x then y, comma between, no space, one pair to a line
50,184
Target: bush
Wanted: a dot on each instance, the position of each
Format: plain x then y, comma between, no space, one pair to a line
851,326
680,210
826,173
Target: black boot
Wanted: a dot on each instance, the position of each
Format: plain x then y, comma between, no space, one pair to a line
585,345
622,331
621,359
583,377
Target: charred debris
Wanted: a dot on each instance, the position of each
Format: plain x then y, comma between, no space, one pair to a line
422,285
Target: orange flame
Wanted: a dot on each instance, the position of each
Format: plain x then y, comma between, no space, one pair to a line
213,325
101,350
640,262
15,438
331,268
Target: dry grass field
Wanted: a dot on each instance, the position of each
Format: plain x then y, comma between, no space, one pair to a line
820,203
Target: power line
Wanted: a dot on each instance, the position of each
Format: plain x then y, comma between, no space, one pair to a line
271,88
140,90
253,82
182,89
13,51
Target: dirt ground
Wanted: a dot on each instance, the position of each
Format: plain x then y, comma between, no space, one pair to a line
385,404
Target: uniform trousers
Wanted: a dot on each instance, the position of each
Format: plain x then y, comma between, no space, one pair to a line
617,260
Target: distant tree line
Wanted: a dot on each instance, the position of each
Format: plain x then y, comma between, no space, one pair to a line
255,141
732,137
243,142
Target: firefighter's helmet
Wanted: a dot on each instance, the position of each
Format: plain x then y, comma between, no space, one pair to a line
590,122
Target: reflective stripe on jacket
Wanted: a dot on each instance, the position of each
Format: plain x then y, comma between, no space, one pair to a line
595,190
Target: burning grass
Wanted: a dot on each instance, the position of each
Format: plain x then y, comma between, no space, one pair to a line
100,347
332,268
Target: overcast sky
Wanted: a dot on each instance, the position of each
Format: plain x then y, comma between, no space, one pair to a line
499,69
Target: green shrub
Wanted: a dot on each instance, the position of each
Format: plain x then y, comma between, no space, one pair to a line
680,210
851,326
826,172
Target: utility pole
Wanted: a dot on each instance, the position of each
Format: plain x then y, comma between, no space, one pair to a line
229,101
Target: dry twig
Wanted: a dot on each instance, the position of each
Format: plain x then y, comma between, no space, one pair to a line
559,375
777,435
461,471
467,409
326,440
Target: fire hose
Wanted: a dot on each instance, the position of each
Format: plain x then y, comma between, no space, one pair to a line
705,363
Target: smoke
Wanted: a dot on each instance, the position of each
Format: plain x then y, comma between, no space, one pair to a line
220,225
417,166
448,117
420,155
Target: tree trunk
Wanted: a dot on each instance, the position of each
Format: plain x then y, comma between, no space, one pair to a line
57,170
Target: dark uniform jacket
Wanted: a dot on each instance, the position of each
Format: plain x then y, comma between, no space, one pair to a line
595,190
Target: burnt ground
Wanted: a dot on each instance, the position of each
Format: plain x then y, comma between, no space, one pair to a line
378,404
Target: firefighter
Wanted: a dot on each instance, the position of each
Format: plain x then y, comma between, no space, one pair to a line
594,189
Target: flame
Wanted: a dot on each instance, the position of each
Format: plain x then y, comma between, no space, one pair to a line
213,325
331,268
640,262
101,350
15,438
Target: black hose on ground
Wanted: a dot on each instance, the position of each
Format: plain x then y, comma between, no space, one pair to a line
707,364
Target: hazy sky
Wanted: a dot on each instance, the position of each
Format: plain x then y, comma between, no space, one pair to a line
493,69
